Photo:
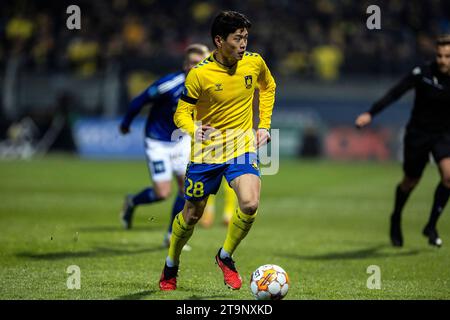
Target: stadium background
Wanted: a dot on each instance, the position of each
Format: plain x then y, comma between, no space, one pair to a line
63,91
329,67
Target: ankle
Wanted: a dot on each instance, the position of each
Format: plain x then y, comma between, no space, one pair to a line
224,254
170,263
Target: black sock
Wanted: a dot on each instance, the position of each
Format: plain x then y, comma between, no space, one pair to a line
145,196
441,196
400,199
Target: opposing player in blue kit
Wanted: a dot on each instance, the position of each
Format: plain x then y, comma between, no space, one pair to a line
165,157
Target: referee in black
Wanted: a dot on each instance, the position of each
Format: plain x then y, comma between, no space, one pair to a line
428,131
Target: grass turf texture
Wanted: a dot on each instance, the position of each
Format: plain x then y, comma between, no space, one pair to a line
323,222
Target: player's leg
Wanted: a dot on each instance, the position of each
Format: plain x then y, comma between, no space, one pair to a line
160,191
247,188
441,153
416,155
160,168
179,201
402,193
177,207
180,153
201,181
230,203
183,227
182,230
246,183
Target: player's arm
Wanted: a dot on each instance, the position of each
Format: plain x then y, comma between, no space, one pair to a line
183,118
136,106
391,96
183,115
266,102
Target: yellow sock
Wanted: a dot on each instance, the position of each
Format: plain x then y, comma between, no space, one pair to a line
230,202
181,232
238,228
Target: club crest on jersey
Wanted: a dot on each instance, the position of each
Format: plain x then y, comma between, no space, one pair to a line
218,87
248,81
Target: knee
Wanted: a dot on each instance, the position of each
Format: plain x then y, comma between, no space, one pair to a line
194,212
249,207
163,193
192,219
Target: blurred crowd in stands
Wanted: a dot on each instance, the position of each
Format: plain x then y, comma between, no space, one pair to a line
123,45
322,39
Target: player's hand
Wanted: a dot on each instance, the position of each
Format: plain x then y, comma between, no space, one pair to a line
262,137
363,120
203,133
123,129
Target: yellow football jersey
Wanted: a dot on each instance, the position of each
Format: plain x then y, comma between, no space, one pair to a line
222,97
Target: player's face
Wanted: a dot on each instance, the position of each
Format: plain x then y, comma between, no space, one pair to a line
235,44
443,58
192,60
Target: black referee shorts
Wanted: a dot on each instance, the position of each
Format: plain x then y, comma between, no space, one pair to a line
418,144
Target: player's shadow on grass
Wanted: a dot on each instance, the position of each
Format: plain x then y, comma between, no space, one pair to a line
97,252
196,297
119,228
371,252
137,295
147,293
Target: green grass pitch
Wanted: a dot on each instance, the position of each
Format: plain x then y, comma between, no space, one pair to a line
323,222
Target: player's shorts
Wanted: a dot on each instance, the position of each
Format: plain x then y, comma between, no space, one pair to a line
203,179
165,158
418,144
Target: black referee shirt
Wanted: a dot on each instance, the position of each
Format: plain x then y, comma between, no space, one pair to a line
431,110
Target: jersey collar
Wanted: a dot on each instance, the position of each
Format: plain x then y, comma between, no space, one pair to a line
230,70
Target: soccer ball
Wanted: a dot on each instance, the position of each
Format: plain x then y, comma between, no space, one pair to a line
269,282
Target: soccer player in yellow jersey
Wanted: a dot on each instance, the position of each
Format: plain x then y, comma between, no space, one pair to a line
216,110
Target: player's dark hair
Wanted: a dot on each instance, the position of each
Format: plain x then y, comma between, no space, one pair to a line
443,40
227,22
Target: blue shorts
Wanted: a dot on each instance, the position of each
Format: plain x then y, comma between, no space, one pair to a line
203,179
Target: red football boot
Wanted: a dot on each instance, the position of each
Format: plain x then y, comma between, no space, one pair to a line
231,277
168,280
